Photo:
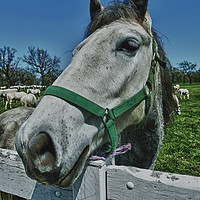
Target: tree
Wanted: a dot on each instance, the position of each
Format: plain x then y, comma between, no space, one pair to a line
8,64
25,77
41,62
52,76
187,69
196,76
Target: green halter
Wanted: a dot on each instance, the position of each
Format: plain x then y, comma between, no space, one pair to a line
115,112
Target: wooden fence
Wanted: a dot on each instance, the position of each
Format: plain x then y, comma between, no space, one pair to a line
100,181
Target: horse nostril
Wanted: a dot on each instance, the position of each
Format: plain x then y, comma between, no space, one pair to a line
42,152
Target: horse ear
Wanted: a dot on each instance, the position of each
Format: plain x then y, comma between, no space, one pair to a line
95,6
142,11
141,7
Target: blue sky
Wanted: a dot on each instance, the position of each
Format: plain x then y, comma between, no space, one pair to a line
59,25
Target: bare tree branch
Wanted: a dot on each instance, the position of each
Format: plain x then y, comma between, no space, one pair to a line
7,63
41,62
187,69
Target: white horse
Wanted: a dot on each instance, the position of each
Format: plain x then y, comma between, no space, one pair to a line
114,88
13,95
184,93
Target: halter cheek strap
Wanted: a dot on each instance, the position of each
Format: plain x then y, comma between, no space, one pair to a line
113,113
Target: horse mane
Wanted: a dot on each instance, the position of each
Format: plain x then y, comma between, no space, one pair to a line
118,10
169,104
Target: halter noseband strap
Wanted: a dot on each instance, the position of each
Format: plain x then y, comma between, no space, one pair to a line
115,112
97,110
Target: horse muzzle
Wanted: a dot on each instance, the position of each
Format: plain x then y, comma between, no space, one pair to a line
40,158
42,162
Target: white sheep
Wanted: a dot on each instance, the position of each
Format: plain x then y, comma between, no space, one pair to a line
13,95
184,92
33,91
28,100
178,106
176,88
4,92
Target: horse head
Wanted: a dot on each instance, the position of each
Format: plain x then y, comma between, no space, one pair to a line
108,68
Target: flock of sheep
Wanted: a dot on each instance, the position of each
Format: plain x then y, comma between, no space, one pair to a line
27,99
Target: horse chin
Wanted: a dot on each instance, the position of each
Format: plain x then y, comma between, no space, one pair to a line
57,177
76,170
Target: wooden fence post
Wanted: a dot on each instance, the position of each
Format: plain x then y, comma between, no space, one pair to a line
91,186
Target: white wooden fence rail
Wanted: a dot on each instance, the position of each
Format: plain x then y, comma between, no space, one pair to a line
100,181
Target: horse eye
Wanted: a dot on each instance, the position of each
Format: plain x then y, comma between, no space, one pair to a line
128,46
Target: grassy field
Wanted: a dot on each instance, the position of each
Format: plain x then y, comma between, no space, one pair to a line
15,104
180,152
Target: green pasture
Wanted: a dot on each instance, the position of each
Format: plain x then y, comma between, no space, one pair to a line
15,104
180,152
